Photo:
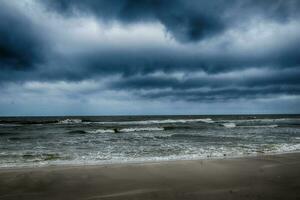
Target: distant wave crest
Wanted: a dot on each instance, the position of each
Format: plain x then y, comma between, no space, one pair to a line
165,121
261,126
102,131
70,121
125,130
229,125
141,129
233,125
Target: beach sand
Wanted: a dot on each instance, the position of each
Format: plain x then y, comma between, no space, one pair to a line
262,177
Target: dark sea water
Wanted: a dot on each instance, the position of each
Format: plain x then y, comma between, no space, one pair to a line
39,141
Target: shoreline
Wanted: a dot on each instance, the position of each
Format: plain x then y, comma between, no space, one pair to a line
259,177
141,162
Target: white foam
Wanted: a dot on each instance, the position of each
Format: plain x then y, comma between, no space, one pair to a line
166,121
70,121
264,120
229,125
101,131
192,153
287,148
261,126
141,129
136,129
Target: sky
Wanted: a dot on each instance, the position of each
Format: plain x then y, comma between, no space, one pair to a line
149,57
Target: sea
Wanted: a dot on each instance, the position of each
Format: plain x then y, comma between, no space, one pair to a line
89,140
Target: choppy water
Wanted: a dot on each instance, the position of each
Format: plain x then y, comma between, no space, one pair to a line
91,140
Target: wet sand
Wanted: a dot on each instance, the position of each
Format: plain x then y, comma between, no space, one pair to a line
262,177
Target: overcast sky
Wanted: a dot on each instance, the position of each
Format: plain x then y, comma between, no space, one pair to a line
124,57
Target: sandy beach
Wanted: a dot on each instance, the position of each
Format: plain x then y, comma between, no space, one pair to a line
261,177
149,100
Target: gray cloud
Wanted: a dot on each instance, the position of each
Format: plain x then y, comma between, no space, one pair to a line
196,51
239,78
183,20
223,95
254,83
21,46
187,20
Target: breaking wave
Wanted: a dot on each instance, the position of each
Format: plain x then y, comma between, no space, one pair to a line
166,121
102,131
261,126
229,125
233,125
70,121
116,130
142,129
287,148
87,140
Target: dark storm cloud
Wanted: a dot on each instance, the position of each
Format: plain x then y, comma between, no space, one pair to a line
28,54
261,83
264,78
130,63
187,20
182,19
222,94
22,47
20,43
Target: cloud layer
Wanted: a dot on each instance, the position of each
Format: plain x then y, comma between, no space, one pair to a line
191,53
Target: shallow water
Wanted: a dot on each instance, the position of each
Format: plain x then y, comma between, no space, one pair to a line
38,141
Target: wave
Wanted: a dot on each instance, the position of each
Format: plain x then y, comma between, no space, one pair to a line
261,126
142,129
124,130
102,131
262,120
165,121
261,123
70,121
286,148
142,122
233,125
178,135
229,125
